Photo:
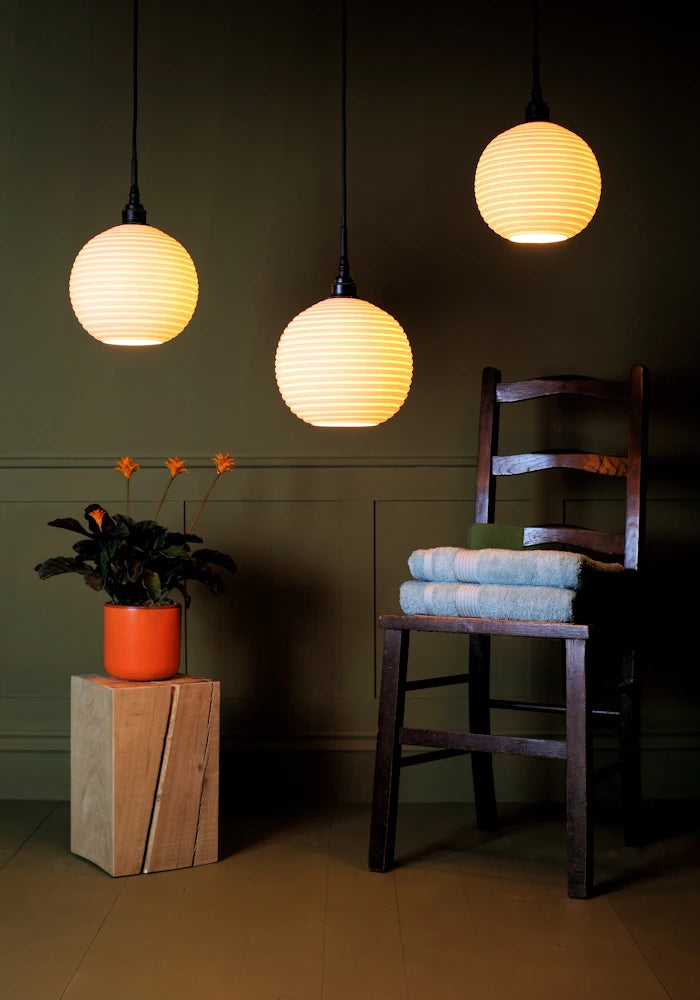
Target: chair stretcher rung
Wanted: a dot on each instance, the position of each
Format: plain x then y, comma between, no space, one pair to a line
428,682
531,706
483,743
423,758
525,706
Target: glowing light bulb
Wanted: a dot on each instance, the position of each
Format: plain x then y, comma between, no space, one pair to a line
537,183
344,362
133,285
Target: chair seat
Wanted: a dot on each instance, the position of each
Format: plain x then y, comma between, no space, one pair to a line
487,626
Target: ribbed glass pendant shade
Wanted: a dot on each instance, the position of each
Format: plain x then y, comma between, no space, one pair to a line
344,363
537,183
133,285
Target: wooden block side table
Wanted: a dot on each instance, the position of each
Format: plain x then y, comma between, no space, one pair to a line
144,772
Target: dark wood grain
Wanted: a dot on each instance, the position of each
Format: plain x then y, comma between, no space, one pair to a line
581,640
630,762
488,437
432,682
516,465
410,760
483,742
513,392
387,766
584,539
579,823
486,626
533,706
637,447
480,722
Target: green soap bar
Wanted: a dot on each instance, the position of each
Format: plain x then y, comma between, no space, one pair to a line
495,536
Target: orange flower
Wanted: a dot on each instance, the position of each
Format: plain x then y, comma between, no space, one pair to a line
97,514
223,463
176,466
127,467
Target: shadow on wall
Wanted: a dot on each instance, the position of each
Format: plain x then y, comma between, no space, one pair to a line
671,683
670,608
673,546
277,653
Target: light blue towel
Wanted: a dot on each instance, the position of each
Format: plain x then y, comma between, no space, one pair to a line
532,568
470,600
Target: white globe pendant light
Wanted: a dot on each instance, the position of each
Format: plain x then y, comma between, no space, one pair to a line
537,182
133,285
344,362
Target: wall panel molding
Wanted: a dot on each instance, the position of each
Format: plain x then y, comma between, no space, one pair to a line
322,545
334,742
246,461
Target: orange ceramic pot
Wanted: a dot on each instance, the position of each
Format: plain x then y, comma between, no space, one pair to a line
141,644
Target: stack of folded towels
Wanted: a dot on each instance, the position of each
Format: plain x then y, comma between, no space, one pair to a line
514,584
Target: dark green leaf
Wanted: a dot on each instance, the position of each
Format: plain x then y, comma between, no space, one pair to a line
60,564
147,527
175,552
88,548
178,538
70,524
217,558
151,582
185,596
134,568
120,529
137,562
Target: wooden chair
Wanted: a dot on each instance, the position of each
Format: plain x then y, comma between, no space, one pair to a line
576,748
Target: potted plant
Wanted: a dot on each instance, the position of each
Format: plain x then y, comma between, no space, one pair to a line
138,565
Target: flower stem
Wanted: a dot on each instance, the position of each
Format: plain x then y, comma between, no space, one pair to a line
128,498
162,499
201,506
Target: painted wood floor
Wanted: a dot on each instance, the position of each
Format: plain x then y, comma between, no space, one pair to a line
291,913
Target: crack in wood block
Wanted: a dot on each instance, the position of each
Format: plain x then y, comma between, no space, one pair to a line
144,773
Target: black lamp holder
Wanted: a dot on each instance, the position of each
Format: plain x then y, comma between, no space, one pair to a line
537,110
134,211
343,284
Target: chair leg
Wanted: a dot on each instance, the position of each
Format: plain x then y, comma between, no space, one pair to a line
631,772
579,821
480,722
387,770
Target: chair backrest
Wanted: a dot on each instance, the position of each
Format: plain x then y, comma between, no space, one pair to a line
625,546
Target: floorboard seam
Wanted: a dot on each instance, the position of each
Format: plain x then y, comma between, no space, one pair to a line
29,836
93,938
403,949
469,906
325,903
639,948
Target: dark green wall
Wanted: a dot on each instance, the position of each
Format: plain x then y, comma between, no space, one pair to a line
239,159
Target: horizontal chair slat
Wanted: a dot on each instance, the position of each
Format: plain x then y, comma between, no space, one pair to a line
512,392
485,626
516,465
482,742
586,538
